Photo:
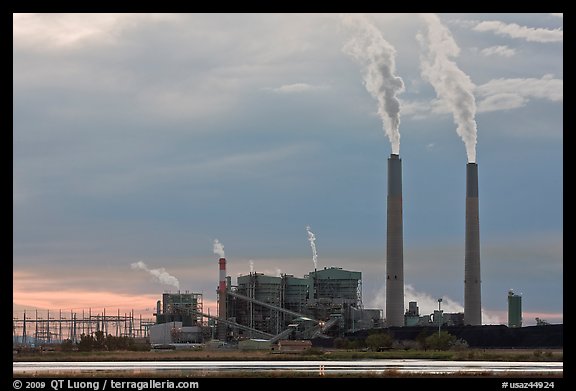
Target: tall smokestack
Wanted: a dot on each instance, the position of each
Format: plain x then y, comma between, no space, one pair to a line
394,245
222,299
472,291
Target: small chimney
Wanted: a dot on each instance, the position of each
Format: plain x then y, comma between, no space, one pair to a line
222,299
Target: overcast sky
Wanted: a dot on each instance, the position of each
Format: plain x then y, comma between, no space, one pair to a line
145,137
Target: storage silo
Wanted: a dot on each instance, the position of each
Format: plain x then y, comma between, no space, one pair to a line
514,309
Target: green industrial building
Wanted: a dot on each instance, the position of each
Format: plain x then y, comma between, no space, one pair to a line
514,309
273,304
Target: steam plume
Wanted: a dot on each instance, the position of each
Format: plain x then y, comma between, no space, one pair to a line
160,274
251,262
377,58
451,84
428,303
219,249
312,240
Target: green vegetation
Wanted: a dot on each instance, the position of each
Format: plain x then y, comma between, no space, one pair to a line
440,341
101,342
377,345
379,342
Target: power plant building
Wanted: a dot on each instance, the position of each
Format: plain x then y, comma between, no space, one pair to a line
178,319
179,307
267,289
326,300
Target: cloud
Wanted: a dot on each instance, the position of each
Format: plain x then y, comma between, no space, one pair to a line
296,88
85,299
77,286
142,138
501,101
111,178
506,94
423,109
71,30
495,95
463,23
514,30
503,51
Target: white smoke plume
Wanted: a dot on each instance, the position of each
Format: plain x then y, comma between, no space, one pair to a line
160,274
251,263
218,249
312,240
377,58
452,85
428,303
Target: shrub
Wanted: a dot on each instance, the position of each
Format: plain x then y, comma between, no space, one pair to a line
377,342
340,343
67,345
441,341
459,344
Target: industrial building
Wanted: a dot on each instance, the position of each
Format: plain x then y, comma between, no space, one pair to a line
323,301
413,318
326,302
178,319
514,309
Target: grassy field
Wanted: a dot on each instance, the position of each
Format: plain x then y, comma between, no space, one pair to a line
313,354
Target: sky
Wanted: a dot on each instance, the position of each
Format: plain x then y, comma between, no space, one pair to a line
140,139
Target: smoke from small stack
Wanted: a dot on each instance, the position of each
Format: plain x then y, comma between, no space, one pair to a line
312,240
377,58
428,303
251,263
451,84
160,274
218,249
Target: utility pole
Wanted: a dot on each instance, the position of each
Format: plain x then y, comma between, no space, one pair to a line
439,316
